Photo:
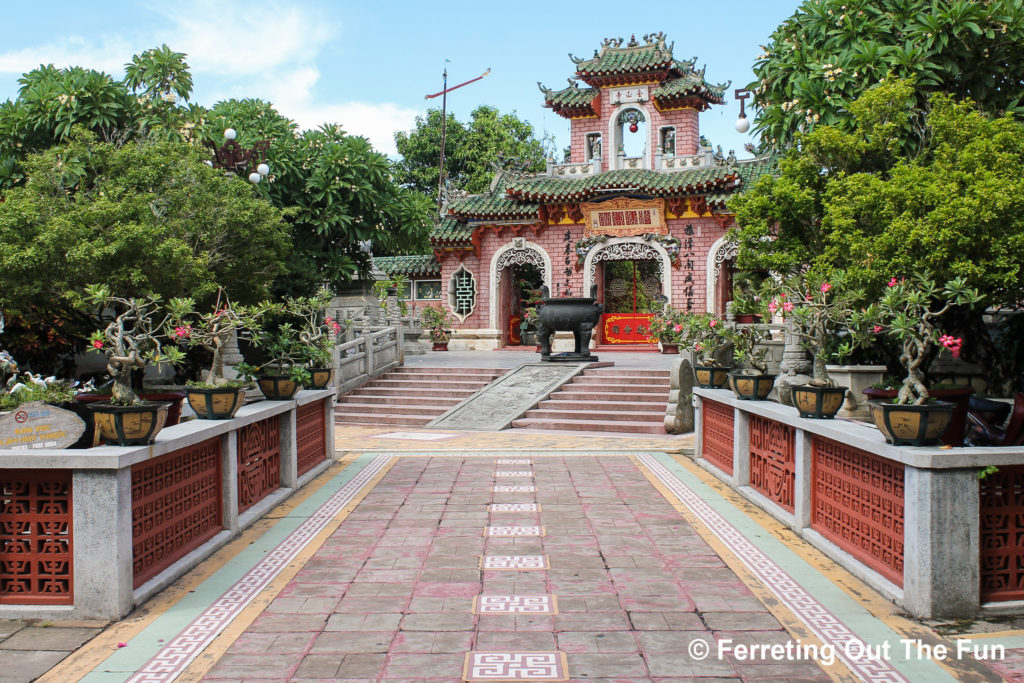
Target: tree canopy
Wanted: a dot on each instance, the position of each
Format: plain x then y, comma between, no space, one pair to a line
850,199
336,192
829,52
470,149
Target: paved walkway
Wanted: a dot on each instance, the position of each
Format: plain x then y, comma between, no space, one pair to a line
418,560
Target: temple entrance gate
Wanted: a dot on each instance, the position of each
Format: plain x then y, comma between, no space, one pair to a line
518,270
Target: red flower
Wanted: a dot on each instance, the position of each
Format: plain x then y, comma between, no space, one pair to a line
97,344
825,287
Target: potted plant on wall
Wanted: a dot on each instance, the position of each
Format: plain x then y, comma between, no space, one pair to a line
133,339
283,373
751,380
907,312
668,326
438,322
707,333
216,397
829,325
318,336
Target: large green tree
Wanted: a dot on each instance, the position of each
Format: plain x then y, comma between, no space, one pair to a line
145,216
471,149
830,51
336,191
150,102
848,198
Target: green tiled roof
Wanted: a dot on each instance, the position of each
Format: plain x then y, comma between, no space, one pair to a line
614,60
491,205
572,100
750,172
450,231
692,83
409,266
641,181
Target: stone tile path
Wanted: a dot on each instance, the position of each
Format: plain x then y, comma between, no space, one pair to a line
420,582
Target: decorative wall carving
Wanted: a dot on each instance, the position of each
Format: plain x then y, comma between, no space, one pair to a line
176,507
857,503
625,217
36,537
259,461
772,460
717,445
310,436
517,257
1002,534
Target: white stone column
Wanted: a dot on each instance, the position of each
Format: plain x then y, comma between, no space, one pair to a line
102,542
941,575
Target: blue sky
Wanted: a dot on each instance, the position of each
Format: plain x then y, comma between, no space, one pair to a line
367,65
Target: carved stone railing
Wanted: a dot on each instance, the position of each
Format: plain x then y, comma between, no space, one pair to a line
683,162
582,170
630,162
868,504
92,533
360,360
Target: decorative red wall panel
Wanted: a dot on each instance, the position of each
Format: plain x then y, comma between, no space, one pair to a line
310,435
857,503
259,461
1002,535
36,550
772,460
176,507
717,440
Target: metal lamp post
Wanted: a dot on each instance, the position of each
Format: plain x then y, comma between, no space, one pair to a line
742,124
233,158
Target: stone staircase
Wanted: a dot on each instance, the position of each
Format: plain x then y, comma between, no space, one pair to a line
612,399
411,396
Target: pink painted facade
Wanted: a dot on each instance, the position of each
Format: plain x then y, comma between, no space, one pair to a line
545,223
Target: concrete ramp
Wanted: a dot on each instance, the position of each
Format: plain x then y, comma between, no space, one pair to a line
495,406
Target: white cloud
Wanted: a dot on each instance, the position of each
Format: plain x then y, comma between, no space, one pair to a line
250,38
110,54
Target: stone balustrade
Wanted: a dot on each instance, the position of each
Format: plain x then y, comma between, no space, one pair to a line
916,524
92,533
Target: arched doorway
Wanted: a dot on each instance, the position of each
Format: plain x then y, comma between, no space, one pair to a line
721,261
648,266
518,270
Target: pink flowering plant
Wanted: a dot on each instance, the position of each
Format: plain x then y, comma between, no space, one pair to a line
669,326
826,316
707,333
907,312
134,338
319,333
212,330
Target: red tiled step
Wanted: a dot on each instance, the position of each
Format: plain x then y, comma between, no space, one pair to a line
596,389
557,402
636,427
411,397
585,413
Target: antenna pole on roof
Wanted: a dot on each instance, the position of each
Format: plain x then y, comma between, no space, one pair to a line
444,124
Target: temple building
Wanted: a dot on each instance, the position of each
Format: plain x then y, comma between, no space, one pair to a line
638,210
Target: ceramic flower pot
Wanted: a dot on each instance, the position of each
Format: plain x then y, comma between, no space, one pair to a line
320,377
818,402
910,425
710,376
277,387
217,403
670,348
751,387
129,425
440,346
956,430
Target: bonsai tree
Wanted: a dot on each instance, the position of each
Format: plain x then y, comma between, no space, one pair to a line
382,289
908,311
132,339
319,333
439,322
212,331
707,333
826,317
748,349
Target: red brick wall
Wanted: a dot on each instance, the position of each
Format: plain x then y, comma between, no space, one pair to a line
552,239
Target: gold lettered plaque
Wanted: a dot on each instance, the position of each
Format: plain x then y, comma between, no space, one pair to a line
39,425
625,217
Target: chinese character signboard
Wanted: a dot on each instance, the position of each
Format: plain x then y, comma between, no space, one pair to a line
625,217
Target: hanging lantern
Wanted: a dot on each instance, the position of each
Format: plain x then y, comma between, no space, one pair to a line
633,127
